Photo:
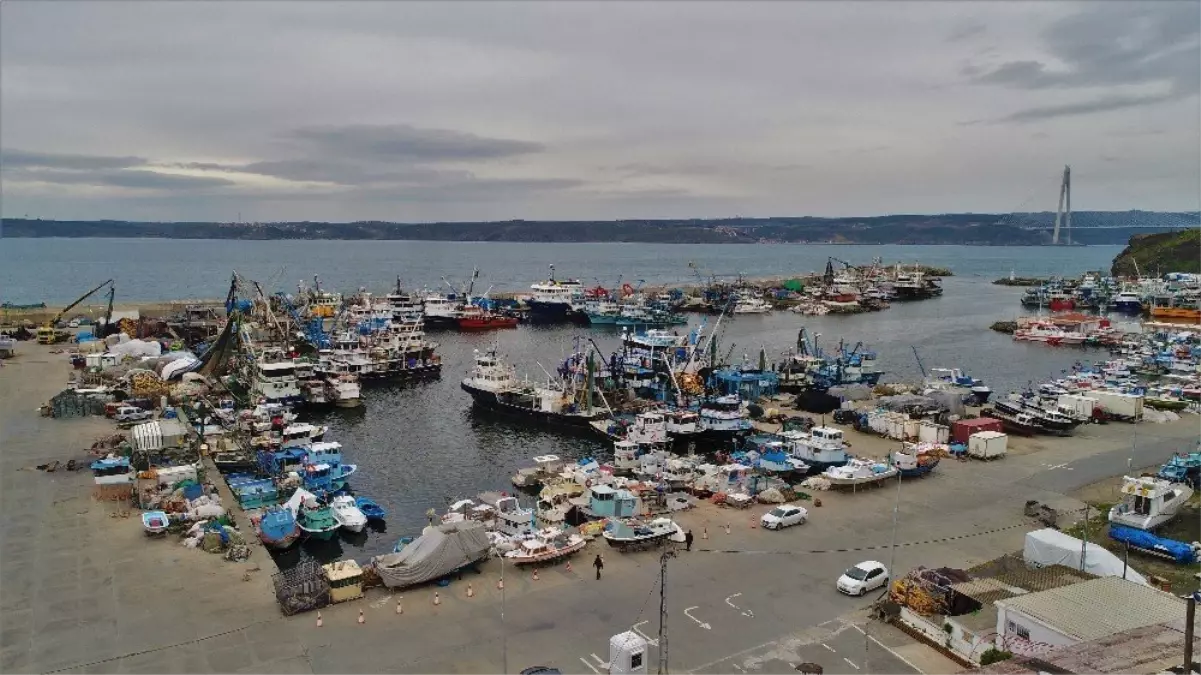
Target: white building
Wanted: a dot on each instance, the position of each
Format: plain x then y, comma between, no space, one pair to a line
1037,622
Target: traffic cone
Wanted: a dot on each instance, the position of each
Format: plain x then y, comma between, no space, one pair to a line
399,609
437,599
754,524
500,584
704,533
535,574
470,591
568,565
727,528
362,619
320,622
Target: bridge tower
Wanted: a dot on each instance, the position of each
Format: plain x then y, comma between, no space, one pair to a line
1061,214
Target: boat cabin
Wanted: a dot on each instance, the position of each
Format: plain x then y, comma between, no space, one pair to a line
1148,502
625,456
607,502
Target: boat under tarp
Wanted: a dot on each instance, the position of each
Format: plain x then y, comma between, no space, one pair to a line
1177,551
439,550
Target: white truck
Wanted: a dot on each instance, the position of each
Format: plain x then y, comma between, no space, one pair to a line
1119,406
1077,406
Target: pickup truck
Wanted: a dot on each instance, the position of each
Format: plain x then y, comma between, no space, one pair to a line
131,414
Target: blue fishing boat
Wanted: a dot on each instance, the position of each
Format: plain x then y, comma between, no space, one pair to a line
912,462
253,492
1183,468
370,509
278,527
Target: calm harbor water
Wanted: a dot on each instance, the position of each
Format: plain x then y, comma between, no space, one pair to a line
420,445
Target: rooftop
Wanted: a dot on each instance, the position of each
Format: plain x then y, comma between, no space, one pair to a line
1149,649
1099,607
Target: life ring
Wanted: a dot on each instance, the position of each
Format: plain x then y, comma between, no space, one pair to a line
627,289
588,483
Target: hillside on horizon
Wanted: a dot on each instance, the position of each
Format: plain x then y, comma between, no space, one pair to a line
1088,227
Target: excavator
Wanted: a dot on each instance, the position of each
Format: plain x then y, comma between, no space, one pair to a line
49,333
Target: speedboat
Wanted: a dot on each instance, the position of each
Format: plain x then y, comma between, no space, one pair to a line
633,533
1148,503
347,514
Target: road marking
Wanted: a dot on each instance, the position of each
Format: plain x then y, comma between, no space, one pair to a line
381,602
745,612
850,662
702,624
590,666
856,627
828,647
654,642
737,667
890,651
1052,467
735,655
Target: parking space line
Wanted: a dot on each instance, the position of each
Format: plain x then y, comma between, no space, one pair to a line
829,647
890,651
590,666
850,662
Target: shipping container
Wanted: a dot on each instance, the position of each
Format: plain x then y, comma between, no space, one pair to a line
963,429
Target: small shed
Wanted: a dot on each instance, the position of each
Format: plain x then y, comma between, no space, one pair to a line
961,430
157,435
345,580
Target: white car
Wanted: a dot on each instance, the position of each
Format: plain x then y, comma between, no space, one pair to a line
784,515
866,576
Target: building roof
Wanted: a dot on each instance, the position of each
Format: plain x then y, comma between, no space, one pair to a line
1094,609
1151,649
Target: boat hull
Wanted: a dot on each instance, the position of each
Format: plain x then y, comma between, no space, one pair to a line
918,471
493,323
323,535
640,542
547,557
489,401
550,312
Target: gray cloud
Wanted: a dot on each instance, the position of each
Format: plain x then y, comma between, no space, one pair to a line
1109,45
482,110
129,178
401,141
21,159
1096,105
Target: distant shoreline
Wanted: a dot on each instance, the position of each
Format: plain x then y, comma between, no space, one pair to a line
963,229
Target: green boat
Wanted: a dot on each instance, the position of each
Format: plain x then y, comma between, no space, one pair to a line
316,520
1166,403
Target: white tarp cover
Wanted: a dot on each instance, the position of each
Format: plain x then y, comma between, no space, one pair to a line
437,552
137,348
150,436
180,365
1052,547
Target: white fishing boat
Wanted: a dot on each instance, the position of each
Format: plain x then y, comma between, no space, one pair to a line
637,534
545,546
752,306
859,472
347,513
545,467
1148,503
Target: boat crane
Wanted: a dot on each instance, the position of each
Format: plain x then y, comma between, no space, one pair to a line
48,334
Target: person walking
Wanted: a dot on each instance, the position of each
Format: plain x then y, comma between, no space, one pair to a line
599,564
688,540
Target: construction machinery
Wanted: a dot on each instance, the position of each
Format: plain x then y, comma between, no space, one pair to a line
49,333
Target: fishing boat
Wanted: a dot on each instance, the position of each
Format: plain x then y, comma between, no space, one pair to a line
347,514
545,468
914,461
1048,421
476,318
633,533
956,378
302,435
493,385
1148,502
1022,424
752,306
316,520
822,448
859,472
441,311
546,545
155,522
278,527
370,509
1127,302
555,301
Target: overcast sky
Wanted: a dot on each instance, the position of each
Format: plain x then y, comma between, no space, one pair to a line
410,111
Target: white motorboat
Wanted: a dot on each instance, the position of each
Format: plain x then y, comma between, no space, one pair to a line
348,514
635,534
859,472
544,546
1148,503
752,306
545,467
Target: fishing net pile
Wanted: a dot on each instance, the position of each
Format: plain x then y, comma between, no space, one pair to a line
928,591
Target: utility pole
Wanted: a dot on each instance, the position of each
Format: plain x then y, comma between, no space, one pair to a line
1190,616
1084,543
663,610
504,630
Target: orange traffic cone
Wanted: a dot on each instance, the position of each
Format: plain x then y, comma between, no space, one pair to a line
754,524
399,609
320,622
362,619
568,565
437,599
470,591
535,574
500,584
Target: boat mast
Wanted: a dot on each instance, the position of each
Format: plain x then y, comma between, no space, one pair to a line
663,610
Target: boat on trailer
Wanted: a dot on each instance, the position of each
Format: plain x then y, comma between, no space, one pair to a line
859,472
1149,502
635,534
545,545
